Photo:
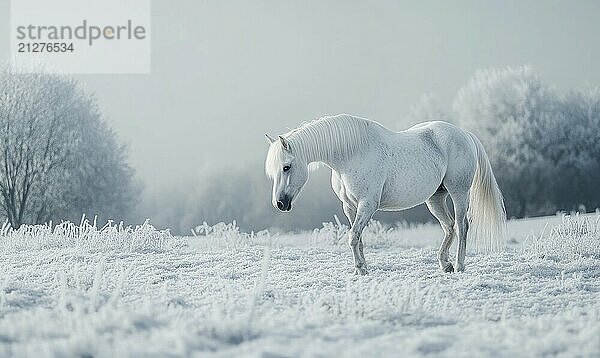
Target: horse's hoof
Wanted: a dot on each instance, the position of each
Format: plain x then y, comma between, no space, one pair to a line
361,271
459,268
449,267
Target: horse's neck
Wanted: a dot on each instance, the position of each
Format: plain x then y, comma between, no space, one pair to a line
335,154
334,162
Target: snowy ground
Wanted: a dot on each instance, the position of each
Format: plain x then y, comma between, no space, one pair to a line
80,292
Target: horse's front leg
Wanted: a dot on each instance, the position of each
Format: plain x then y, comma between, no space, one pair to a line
351,215
364,212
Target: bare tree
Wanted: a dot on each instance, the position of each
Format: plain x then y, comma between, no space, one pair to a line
58,158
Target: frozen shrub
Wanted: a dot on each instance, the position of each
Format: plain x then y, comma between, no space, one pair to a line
576,237
333,233
88,237
218,230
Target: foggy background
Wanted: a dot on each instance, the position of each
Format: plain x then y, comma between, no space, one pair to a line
226,72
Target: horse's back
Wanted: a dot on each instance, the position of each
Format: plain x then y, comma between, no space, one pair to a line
443,135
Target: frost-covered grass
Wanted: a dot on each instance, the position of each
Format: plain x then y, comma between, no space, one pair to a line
78,290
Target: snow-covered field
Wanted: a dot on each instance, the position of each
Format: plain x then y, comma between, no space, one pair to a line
80,292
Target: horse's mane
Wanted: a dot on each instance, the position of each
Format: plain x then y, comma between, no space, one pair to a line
328,138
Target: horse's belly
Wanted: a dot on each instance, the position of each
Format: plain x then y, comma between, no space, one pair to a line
400,195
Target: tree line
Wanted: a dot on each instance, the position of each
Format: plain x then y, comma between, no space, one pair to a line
60,159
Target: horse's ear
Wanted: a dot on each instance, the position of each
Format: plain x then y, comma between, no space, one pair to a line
284,143
269,138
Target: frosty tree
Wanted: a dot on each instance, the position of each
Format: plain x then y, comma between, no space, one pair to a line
507,109
428,108
543,145
59,159
574,148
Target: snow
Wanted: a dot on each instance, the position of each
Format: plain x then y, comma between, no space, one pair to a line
82,291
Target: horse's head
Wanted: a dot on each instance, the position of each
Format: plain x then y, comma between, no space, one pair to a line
288,171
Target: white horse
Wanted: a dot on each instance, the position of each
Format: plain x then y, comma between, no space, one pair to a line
373,168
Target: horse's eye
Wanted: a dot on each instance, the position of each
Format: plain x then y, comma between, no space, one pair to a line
286,168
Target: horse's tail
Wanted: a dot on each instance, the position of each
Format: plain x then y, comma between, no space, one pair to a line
487,215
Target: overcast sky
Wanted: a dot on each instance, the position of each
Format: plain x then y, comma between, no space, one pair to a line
226,72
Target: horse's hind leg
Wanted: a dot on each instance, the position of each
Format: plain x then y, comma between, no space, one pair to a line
461,205
437,206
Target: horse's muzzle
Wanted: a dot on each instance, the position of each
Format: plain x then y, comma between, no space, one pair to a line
284,204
